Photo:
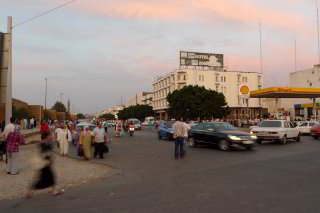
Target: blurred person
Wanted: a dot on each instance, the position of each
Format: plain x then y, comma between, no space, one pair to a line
9,128
32,123
14,139
57,134
118,128
99,140
21,124
86,143
178,129
45,177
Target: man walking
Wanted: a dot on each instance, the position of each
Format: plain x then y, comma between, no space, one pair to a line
99,138
178,129
9,128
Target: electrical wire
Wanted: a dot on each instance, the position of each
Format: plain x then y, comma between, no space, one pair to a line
44,13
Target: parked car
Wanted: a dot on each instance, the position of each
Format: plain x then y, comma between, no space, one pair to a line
136,123
165,130
193,123
305,127
315,131
222,134
277,130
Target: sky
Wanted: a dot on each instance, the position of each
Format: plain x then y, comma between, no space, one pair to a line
98,53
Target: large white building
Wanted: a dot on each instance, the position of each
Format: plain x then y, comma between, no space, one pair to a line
226,82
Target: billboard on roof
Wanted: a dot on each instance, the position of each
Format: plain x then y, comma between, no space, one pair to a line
201,59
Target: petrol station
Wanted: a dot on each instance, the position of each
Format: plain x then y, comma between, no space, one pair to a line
288,92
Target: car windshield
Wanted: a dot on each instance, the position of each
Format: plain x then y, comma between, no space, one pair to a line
169,124
270,124
224,127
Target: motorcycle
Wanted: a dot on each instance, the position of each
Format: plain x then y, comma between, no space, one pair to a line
131,130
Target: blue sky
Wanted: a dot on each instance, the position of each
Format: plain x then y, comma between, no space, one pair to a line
97,51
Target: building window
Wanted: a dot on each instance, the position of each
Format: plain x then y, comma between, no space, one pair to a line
184,77
199,77
259,79
179,77
221,78
225,89
225,78
238,79
217,88
246,79
202,77
217,78
310,84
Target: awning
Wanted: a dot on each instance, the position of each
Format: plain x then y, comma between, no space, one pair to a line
286,92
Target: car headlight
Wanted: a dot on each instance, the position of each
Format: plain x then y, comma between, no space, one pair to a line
254,137
234,138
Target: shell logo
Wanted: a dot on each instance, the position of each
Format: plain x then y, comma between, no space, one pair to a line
244,90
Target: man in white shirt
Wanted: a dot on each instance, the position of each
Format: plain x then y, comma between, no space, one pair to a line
99,138
178,129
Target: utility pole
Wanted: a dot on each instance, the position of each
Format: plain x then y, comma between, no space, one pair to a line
8,109
295,53
260,47
45,96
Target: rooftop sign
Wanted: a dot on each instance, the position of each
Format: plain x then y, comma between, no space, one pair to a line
201,59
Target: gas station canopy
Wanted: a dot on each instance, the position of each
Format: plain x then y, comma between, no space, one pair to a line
286,92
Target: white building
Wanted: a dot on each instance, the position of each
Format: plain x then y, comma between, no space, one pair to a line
142,98
226,82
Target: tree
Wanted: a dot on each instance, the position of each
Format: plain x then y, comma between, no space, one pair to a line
138,111
194,102
59,107
21,113
108,116
81,116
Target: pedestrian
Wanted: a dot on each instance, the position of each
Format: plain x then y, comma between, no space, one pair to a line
14,140
105,125
99,139
45,177
25,123
32,123
57,134
86,143
185,136
9,128
118,128
65,137
178,129
21,124
35,123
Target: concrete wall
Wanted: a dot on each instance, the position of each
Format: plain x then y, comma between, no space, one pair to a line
37,111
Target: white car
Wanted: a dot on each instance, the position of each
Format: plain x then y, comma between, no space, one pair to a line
305,127
279,130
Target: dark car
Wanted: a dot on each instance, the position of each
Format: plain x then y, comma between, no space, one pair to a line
222,134
165,130
315,131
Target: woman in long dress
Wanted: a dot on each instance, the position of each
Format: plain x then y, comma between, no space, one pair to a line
85,142
65,138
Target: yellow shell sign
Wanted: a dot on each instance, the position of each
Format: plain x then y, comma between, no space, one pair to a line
244,90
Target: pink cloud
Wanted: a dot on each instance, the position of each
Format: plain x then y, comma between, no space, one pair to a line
184,10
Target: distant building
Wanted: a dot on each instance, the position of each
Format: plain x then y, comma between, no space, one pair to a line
226,82
142,98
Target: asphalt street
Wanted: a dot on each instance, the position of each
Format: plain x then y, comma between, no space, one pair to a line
147,178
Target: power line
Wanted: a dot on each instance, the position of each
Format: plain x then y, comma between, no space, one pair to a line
44,13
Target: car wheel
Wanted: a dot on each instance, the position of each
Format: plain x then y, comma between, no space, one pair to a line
259,141
283,140
192,143
223,145
159,136
298,138
249,147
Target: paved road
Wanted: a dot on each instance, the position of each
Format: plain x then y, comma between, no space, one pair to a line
147,178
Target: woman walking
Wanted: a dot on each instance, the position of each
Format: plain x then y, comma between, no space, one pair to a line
86,143
118,128
14,140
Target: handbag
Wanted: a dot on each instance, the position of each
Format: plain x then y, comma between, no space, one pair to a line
105,148
80,151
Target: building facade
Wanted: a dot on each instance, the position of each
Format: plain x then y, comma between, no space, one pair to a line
142,98
226,82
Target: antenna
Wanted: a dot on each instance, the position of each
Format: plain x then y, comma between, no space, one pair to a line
295,52
318,32
260,48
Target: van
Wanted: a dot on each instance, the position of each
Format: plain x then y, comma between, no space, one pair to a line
147,120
